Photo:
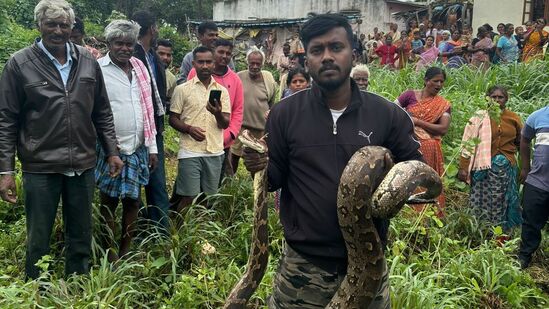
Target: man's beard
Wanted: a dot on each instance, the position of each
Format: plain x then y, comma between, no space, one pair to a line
334,83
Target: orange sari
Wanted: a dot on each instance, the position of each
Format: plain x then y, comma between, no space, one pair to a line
533,49
404,50
430,110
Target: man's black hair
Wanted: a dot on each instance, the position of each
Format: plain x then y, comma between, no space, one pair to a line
201,49
222,42
145,20
206,25
165,43
78,25
322,24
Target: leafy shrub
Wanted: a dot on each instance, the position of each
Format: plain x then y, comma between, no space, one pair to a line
12,38
22,12
181,45
434,263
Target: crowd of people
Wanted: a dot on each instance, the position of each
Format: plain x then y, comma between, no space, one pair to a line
79,120
426,44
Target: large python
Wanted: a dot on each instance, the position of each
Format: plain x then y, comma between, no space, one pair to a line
371,186
259,251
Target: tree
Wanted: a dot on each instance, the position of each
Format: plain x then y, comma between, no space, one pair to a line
173,12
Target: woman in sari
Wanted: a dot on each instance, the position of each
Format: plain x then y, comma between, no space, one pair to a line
491,168
452,48
430,113
445,37
404,46
534,41
428,54
481,48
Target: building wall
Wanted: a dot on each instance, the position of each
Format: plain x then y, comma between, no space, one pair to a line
374,12
494,12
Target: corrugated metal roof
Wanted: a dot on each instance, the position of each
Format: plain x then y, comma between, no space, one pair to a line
414,4
265,23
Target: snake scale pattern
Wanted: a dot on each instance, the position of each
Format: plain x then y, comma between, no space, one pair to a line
258,258
371,186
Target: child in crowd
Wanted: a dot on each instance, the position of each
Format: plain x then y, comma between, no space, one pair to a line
519,36
417,43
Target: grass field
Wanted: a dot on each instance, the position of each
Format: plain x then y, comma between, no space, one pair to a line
448,263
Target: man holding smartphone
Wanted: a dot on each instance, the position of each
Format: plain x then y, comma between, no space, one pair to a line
200,110
226,77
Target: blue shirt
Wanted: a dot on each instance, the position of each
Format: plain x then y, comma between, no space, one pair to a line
537,126
416,44
64,69
509,48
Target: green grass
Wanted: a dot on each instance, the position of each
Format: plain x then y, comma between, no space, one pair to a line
452,263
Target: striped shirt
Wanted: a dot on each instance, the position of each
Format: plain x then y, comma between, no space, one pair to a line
537,126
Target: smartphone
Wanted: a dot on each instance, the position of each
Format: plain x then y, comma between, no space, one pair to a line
215,95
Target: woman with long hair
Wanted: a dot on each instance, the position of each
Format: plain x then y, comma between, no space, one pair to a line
430,113
491,168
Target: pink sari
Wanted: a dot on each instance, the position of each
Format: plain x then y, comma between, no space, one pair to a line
427,58
481,58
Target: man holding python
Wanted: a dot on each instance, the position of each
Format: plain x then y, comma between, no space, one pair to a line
311,137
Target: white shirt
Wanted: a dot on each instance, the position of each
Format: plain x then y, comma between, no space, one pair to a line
125,100
336,114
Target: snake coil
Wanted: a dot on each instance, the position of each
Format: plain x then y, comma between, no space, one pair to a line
371,186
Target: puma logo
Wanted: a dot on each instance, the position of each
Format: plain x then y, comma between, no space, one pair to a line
360,133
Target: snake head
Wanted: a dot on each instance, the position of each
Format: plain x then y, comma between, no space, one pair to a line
257,144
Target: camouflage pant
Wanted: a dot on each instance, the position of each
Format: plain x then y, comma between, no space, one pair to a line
300,284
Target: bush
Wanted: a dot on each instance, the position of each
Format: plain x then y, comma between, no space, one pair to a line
13,37
181,45
434,263
22,12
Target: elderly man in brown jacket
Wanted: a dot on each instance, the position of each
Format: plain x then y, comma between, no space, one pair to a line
53,110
